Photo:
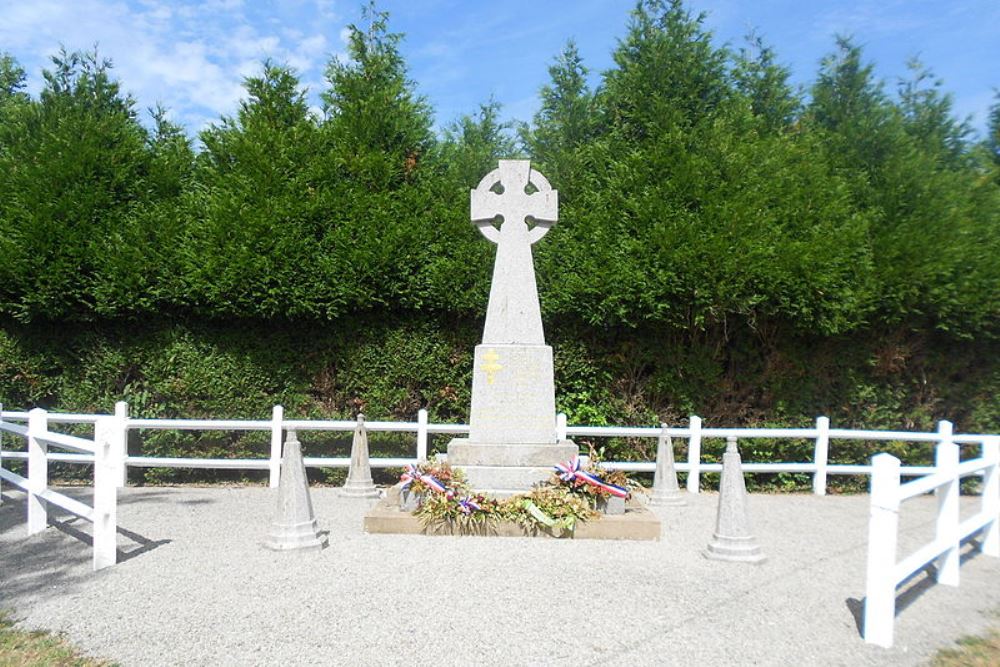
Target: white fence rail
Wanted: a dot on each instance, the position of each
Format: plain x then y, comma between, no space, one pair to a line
104,451
819,467
885,573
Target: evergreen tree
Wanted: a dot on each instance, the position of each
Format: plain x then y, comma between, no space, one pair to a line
928,116
73,167
667,74
993,130
258,216
565,122
764,82
379,125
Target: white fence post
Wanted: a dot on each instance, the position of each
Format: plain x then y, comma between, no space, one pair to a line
822,455
274,464
119,443
883,523
694,455
107,476
946,461
38,471
560,427
990,539
421,434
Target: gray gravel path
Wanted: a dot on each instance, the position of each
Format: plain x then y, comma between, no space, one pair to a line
197,589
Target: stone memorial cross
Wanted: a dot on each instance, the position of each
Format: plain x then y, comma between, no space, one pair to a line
512,438
516,194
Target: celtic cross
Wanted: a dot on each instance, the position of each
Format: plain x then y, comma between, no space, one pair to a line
504,193
518,196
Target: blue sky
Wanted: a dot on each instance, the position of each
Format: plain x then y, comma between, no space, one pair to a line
192,55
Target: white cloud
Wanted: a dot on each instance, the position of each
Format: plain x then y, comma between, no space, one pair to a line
190,55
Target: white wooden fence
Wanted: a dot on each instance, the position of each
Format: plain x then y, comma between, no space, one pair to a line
695,433
105,451
885,573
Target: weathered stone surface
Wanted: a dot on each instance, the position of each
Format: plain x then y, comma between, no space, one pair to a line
638,524
505,480
665,488
513,395
464,452
294,527
513,315
733,539
612,506
359,477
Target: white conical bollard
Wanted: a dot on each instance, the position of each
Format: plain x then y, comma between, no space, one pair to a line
665,488
359,477
294,527
733,540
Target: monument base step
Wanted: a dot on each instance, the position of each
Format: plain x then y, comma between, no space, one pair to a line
464,452
495,480
635,524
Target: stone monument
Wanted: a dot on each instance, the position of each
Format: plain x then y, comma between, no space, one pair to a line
733,540
665,489
294,527
512,440
359,476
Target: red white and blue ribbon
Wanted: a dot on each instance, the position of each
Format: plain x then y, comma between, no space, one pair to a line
413,473
468,505
572,470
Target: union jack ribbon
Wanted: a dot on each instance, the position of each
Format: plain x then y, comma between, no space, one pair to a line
572,469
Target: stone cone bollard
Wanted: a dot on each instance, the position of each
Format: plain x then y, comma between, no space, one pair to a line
294,527
733,540
666,492
359,478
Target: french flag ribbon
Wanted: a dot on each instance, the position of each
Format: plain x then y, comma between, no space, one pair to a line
572,469
569,470
468,505
413,473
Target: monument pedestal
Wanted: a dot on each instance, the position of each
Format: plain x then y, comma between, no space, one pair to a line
512,432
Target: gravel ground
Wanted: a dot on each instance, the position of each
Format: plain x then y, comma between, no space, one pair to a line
196,588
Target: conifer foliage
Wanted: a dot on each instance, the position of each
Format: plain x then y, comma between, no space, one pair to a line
699,189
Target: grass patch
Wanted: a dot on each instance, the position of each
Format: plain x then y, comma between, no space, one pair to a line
971,652
21,648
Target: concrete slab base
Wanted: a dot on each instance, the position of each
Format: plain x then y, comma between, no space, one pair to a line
635,524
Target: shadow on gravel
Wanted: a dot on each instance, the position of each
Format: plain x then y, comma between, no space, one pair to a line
145,544
915,587
151,496
67,524
12,512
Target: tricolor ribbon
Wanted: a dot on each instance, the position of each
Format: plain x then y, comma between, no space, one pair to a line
572,470
468,505
413,473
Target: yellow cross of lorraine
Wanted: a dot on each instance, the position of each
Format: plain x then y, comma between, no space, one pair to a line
491,366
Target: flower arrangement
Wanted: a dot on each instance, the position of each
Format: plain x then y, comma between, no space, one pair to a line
591,481
447,499
550,507
473,512
431,478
